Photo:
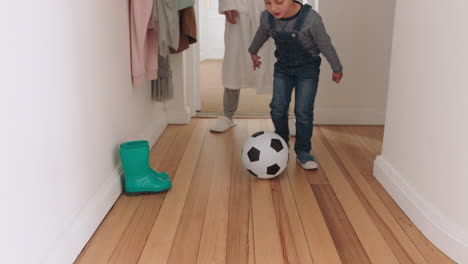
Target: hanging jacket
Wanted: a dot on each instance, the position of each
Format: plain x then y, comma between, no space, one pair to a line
188,29
242,6
143,42
167,17
182,4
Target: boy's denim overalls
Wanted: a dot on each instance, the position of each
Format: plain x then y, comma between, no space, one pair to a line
295,67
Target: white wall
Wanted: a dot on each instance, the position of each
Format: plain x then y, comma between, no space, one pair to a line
66,104
361,32
425,152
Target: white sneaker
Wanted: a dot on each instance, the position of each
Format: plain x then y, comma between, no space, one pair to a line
292,127
221,124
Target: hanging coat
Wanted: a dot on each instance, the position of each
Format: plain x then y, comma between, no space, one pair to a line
143,41
182,4
237,65
167,17
188,29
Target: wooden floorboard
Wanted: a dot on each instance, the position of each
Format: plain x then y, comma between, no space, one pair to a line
164,159
402,246
321,245
109,237
372,240
344,236
213,242
159,243
105,240
427,249
267,242
239,242
216,212
186,242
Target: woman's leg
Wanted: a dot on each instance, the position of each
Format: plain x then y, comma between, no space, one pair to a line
230,102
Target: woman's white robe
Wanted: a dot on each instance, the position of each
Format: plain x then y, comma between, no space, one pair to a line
237,65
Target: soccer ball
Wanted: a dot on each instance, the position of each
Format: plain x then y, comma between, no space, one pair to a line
265,154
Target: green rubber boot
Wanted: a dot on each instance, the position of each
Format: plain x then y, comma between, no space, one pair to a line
144,143
139,177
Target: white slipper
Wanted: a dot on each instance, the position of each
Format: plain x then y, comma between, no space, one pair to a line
221,124
292,127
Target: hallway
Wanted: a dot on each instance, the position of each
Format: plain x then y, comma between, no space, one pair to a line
217,213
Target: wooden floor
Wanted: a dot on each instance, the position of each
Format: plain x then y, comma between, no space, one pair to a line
217,213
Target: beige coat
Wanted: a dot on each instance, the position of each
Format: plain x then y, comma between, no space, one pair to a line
237,65
144,42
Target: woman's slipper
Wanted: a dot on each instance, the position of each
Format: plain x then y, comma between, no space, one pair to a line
221,124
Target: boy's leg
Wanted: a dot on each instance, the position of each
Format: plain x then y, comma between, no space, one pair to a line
306,90
283,85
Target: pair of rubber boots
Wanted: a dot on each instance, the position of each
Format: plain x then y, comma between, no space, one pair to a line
140,178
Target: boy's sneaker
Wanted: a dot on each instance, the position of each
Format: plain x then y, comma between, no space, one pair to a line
307,161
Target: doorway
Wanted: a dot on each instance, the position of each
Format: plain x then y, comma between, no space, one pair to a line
211,29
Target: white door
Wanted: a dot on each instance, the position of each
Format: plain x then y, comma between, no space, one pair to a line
211,30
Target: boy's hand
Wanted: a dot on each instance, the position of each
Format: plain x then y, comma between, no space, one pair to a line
336,77
231,16
256,61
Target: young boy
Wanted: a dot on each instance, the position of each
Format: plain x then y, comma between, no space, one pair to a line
300,37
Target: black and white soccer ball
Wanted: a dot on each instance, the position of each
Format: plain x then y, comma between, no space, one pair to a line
265,154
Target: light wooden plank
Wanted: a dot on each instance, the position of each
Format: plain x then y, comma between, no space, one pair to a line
251,239
372,240
265,228
371,135
239,240
294,242
173,134
130,246
213,242
402,246
104,242
431,253
187,239
358,144
346,240
320,242
163,158
292,235
314,176
159,242
99,249
365,158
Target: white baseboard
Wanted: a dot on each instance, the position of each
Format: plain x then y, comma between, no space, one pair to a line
156,131
178,116
96,208
349,116
448,236
87,221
